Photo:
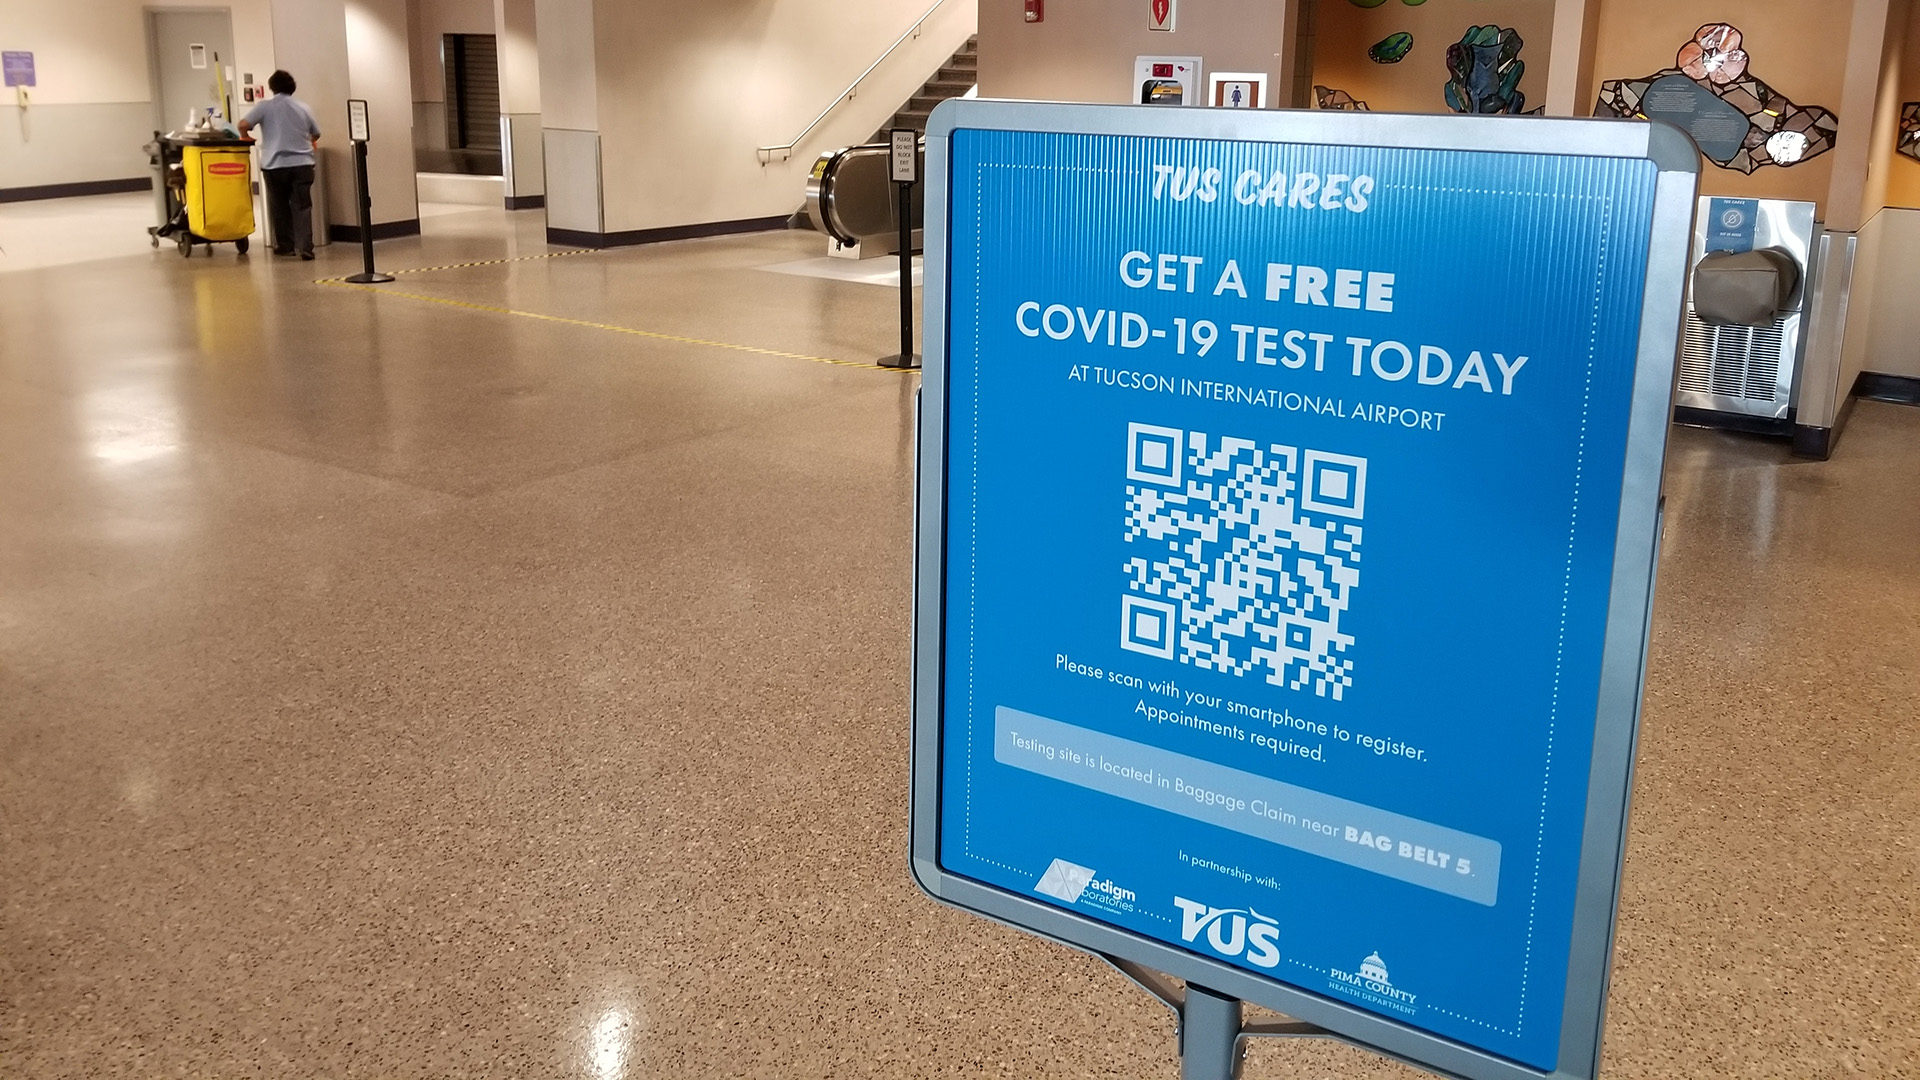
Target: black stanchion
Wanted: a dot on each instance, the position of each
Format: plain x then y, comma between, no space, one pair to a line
357,131
906,172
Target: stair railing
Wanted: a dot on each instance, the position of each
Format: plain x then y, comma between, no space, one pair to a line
785,150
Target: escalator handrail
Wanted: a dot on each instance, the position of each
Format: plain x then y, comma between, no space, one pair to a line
786,150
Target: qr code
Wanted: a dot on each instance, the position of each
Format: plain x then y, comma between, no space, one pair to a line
1248,556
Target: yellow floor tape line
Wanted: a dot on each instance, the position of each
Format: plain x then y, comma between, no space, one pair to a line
478,262
610,327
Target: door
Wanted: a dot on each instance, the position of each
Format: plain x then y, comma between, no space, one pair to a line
189,50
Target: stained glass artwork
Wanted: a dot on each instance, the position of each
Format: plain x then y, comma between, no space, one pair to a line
1778,131
1910,130
1714,55
1485,66
1391,49
1325,98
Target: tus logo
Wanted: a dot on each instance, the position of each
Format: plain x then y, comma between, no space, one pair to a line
1238,932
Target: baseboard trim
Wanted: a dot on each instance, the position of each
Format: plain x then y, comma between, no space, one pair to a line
385,230
578,238
1780,427
1812,442
526,202
1878,386
70,191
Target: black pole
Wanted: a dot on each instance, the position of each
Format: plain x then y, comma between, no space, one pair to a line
369,276
906,173
906,269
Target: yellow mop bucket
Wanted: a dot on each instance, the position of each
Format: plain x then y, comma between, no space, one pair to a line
219,192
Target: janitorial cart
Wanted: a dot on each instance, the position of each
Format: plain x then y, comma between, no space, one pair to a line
207,192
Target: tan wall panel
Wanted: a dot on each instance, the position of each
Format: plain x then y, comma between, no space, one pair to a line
1903,172
1084,50
1344,33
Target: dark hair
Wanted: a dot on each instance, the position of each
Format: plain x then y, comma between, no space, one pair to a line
280,82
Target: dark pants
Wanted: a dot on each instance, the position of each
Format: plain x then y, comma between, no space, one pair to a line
290,208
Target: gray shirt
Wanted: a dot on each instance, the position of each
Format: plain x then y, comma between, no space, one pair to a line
290,131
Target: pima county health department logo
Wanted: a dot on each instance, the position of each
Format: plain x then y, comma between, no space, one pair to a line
1241,933
1073,883
1371,984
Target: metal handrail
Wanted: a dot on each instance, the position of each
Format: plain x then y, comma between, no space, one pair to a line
786,151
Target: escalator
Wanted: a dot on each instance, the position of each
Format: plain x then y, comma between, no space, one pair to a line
850,196
851,199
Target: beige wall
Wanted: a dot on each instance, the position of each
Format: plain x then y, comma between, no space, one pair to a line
569,78
378,71
519,51
427,21
1084,51
92,108
1892,337
1798,47
700,86
1343,34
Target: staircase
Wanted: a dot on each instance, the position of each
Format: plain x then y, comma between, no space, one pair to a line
958,75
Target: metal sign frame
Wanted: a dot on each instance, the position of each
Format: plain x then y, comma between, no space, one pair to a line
1635,556
358,129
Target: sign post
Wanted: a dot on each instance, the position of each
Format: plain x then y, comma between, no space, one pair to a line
905,167
358,131
1289,510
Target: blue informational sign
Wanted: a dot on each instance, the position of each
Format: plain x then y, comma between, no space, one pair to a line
1730,224
1288,506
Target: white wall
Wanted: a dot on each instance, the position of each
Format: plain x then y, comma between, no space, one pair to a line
700,86
92,109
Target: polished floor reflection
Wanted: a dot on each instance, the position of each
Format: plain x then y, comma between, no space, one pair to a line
503,674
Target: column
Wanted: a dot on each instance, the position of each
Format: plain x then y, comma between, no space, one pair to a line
523,165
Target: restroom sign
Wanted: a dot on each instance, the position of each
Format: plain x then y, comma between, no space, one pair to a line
1161,14
1280,615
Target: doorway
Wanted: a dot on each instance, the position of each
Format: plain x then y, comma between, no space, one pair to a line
471,67
190,58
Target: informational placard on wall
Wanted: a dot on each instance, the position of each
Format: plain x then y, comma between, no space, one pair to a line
1289,504
17,67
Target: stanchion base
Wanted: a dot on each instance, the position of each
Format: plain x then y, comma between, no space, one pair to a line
370,279
898,361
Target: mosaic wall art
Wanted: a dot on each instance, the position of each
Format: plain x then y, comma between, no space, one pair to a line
1325,98
1910,130
1485,69
1391,49
1739,121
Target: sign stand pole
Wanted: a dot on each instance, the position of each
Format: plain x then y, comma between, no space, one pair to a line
1212,1027
906,171
357,132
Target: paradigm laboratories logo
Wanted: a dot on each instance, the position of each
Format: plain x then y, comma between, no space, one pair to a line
1241,933
1371,984
1073,883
